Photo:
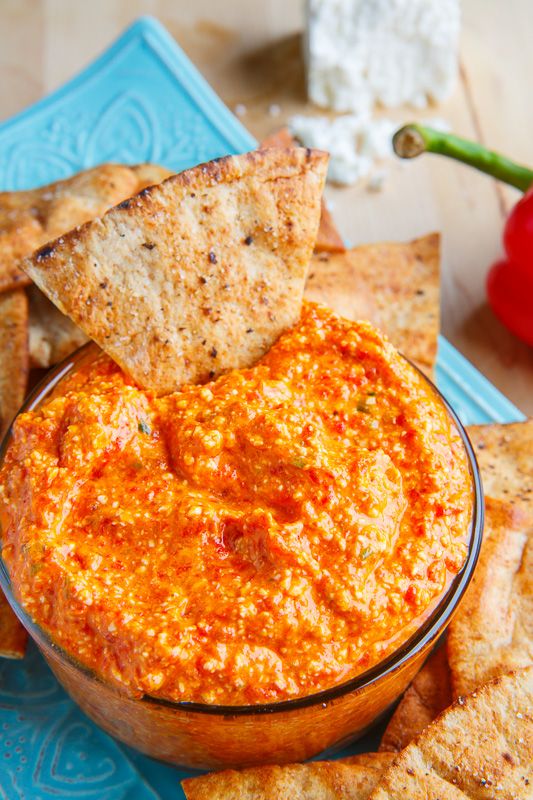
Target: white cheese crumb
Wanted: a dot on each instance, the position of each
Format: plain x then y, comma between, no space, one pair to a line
274,110
353,141
240,110
362,52
376,182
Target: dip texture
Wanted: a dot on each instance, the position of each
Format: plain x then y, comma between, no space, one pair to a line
258,538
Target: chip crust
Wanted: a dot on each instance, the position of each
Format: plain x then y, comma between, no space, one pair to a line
393,285
492,631
479,748
196,275
425,698
505,457
319,780
31,218
328,238
52,335
14,354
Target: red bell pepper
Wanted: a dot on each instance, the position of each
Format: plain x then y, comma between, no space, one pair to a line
510,280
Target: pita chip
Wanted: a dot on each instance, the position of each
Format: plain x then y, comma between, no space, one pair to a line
194,276
13,378
505,457
492,631
14,354
31,218
328,238
479,748
316,780
149,175
379,761
427,696
52,335
395,286
13,636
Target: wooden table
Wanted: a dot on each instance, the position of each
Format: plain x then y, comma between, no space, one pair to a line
249,51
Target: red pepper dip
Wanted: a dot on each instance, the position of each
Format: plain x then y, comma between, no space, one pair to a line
259,538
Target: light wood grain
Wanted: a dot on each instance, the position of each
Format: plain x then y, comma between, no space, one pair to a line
249,50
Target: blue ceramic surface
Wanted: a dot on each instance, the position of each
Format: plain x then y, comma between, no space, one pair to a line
142,100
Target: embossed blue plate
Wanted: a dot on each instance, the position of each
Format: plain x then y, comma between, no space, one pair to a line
142,100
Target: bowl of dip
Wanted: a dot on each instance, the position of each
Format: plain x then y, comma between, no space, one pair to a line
247,571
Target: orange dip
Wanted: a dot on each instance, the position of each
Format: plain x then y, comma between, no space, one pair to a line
255,539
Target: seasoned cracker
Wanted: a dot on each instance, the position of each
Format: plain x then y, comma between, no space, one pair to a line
427,696
52,335
319,780
149,175
31,218
13,354
196,275
492,631
328,238
478,748
395,286
505,457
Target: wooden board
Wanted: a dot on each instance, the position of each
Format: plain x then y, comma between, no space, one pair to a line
250,52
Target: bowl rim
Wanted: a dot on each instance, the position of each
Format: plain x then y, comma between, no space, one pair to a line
421,638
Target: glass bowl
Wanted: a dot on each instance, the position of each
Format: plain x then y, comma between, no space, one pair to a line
214,736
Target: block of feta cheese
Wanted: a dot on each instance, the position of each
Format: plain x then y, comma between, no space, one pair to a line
391,52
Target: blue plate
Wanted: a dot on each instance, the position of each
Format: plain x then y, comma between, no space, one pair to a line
142,100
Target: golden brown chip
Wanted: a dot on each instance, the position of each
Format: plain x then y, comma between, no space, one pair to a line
13,354
395,286
149,175
505,457
13,378
427,696
379,761
492,632
318,780
196,275
13,636
328,238
30,219
479,748
52,335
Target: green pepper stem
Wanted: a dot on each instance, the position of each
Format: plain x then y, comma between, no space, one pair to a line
412,140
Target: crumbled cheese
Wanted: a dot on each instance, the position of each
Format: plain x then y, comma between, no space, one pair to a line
362,52
354,142
376,183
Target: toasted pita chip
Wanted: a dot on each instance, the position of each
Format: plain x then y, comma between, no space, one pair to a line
52,335
318,780
150,175
505,456
492,632
379,761
427,696
30,219
13,378
196,275
13,636
395,286
478,748
13,354
328,238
